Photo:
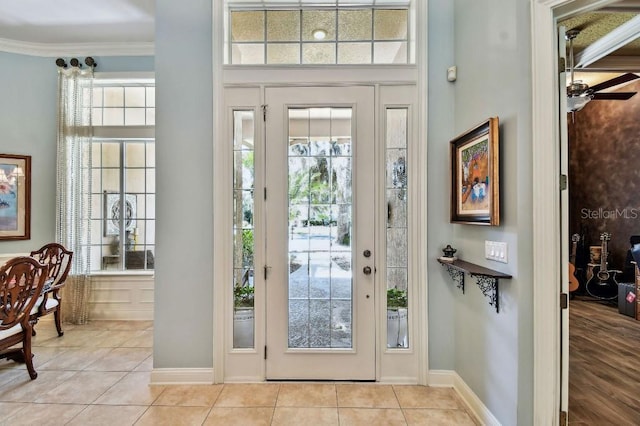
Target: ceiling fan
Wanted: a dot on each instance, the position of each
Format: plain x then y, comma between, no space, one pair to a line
579,93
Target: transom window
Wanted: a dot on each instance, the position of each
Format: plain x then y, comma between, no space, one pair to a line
319,36
119,105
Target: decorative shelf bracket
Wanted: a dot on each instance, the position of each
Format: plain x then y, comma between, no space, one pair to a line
487,279
489,287
456,275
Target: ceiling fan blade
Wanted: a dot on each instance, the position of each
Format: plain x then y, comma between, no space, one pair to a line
613,96
614,81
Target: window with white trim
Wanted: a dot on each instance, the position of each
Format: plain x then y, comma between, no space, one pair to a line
123,175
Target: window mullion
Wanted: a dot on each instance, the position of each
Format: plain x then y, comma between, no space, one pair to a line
123,211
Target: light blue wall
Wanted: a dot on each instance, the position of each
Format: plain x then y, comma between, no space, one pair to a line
441,114
183,318
494,352
28,109
28,126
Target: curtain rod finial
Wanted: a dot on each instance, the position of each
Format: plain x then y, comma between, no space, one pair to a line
90,62
61,63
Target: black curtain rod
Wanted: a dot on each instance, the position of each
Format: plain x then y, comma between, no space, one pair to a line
74,62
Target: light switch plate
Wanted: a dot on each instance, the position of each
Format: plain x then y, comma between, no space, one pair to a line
496,250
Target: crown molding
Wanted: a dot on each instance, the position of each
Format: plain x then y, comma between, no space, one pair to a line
77,49
622,35
613,63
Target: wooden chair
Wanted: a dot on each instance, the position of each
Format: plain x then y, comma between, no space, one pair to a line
58,258
21,281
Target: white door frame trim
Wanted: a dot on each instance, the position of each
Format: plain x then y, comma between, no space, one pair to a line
219,215
417,74
546,204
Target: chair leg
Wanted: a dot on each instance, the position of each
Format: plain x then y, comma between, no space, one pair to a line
34,321
28,356
56,316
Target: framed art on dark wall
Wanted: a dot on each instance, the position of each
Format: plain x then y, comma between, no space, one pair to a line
475,185
15,197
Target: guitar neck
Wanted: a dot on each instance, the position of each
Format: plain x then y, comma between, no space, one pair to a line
603,256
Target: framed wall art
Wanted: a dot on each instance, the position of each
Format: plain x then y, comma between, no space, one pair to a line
15,197
112,213
475,186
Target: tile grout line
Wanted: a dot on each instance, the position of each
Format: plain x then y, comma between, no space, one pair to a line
406,422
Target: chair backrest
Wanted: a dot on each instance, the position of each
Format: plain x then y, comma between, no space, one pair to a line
58,258
21,281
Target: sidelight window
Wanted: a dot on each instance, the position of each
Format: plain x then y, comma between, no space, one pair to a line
243,229
397,236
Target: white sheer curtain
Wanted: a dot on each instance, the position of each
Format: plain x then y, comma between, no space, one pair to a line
73,200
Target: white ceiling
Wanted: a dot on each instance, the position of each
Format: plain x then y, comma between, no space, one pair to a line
43,24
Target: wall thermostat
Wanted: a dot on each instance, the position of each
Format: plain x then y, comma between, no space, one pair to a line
452,73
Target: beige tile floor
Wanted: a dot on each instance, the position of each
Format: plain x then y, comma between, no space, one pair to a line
98,374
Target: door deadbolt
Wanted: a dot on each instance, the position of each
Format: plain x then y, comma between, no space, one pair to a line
367,253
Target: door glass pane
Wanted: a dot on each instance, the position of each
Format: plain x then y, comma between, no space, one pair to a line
313,20
319,53
390,24
247,25
390,52
354,24
283,53
247,54
320,214
354,53
243,230
283,25
397,236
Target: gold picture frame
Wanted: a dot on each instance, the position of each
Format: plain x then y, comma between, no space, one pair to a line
15,197
475,183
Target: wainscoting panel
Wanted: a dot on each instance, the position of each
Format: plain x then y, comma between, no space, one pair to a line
6,256
121,297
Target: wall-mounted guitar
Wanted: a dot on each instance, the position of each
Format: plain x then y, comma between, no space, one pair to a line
574,284
603,284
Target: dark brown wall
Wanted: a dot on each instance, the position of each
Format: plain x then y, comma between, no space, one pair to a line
604,172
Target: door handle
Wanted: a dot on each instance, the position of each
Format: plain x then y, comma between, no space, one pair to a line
367,270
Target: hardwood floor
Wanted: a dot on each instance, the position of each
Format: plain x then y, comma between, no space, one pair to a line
604,365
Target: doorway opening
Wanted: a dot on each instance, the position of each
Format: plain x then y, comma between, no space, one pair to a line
549,349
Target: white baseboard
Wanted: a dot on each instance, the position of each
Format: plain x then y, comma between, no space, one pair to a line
393,380
441,378
448,378
244,379
182,376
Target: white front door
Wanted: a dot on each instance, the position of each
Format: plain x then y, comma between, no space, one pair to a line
319,209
